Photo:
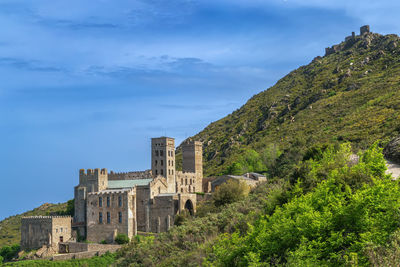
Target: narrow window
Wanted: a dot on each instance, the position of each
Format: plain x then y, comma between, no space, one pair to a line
120,217
57,230
169,163
162,162
108,217
156,172
186,181
156,153
169,172
194,189
61,230
100,202
161,153
172,172
156,163
100,217
162,172
108,201
172,163
120,201
190,181
181,189
181,180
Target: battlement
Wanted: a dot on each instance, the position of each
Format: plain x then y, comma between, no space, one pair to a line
41,219
130,175
91,172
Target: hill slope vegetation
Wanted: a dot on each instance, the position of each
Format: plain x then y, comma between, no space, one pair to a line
351,95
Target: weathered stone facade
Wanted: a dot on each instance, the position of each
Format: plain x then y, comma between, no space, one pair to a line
39,231
110,203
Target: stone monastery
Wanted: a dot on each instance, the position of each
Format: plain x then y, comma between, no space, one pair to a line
147,201
108,203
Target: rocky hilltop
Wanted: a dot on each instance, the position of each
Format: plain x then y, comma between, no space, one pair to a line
349,95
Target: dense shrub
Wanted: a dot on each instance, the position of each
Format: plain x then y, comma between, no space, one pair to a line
9,252
122,239
105,260
333,224
230,192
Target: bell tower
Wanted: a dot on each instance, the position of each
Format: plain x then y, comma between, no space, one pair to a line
163,160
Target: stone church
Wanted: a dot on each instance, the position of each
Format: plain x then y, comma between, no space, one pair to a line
108,203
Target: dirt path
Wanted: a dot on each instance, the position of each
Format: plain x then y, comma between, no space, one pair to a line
393,168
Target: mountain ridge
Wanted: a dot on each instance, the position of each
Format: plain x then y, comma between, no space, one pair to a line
347,95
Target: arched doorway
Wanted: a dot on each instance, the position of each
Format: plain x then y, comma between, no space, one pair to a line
189,207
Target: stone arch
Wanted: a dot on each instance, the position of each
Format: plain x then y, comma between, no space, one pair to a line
189,207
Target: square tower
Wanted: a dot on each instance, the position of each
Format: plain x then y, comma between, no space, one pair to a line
192,157
163,160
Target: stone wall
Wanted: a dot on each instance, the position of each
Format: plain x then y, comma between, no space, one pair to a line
89,181
192,157
188,182
147,174
39,231
110,223
163,210
142,208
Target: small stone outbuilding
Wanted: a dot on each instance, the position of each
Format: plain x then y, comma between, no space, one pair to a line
39,231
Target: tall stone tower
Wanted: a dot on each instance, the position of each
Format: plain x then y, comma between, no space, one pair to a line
163,160
192,157
89,181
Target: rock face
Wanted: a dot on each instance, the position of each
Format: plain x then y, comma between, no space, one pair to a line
392,150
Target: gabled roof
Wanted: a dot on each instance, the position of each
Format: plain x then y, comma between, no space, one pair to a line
117,184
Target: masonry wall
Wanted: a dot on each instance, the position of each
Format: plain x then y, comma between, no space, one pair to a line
130,175
188,182
163,211
142,208
35,232
97,230
61,229
90,180
38,231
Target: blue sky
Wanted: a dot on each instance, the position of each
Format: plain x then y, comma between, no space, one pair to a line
86,84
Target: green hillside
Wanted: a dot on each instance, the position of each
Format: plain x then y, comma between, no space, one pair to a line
350,95
10,227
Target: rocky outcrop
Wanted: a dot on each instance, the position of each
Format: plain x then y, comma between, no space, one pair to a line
392,150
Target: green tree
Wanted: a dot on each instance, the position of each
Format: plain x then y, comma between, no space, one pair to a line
230,192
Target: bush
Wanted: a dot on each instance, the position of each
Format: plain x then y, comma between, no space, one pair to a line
103,242
230,192
1,259
122,239
8,253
